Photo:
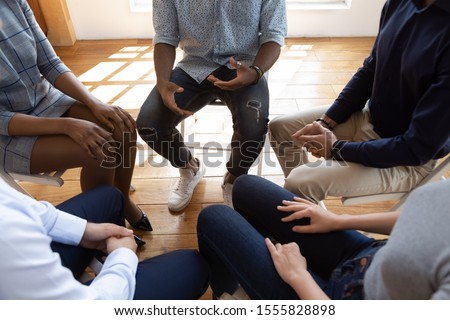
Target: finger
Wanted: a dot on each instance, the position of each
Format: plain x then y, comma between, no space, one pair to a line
293,202
170,103
302,200
94,151
181,112
295,216
178,89
305,130
129,120
311,141
228,85
304,229
316,154
212,78
113,230
101,147
101,136
319,127
102,133
291,206
234,63
125,119
292,246
89,152
269,245
108,123
97,149
315,150
118,124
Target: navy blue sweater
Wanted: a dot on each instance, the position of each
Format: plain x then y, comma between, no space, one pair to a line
406,79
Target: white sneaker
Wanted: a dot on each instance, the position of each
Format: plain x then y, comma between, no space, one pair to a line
239,294
227,191
180,197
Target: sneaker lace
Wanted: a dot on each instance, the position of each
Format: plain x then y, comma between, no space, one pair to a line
183,183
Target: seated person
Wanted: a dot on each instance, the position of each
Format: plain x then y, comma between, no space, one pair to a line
334,261
391,121
227,46
46,249
49,121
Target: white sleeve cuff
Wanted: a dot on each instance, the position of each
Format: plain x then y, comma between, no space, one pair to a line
68,229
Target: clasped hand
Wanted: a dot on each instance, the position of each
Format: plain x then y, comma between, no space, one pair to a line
107,237
316,139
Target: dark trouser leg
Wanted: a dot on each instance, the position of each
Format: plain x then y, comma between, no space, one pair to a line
178,275
249,107
236,253
99,205
157,124
257,199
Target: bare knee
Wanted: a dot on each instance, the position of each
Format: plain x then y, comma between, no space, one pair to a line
128,138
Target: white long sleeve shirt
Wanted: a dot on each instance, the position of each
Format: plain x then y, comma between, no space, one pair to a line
29,269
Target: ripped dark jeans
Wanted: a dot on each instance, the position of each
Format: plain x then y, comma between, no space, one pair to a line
249,108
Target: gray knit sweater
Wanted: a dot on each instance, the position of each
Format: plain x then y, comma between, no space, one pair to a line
415,263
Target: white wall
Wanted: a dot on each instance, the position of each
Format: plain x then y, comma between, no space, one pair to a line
108,19
362,19
112,19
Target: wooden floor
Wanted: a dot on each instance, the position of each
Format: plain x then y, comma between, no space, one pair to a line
310,72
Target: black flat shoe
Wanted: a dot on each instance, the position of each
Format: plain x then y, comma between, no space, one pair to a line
143,223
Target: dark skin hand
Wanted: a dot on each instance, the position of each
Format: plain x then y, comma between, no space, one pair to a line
245,76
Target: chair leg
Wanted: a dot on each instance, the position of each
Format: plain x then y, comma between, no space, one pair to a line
13,183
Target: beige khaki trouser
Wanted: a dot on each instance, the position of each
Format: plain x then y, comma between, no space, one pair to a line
317,179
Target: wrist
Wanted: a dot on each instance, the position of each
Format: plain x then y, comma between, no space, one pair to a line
325,123
259,73
342,222
329,120
336,150
66,124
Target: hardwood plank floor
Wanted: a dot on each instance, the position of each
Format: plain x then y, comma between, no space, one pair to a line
309,73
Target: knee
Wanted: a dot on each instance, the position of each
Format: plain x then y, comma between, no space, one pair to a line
278,132
150,131
291,184
114,198
153,131
275,124
212,217
192,260
252,132
127,137
150,119
306,183
111,193
244,185
142,122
